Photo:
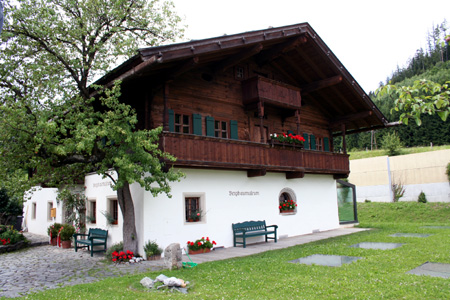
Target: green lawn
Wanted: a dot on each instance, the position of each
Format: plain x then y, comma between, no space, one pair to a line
403,151
381,274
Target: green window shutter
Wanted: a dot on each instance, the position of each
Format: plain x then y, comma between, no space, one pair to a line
306,143
234,129
313,142
209,126
197,124
171,120
326,144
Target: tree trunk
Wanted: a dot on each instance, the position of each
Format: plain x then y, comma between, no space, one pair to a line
130,238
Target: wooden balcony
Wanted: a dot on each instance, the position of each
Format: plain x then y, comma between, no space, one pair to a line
270,92
255,158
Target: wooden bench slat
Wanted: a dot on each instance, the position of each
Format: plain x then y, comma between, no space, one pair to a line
252,229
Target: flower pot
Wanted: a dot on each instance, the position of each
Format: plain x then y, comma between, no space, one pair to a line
154,257
200,251
66,244
53,241
288,211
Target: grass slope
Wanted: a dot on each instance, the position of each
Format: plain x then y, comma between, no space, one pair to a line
381,274
403,151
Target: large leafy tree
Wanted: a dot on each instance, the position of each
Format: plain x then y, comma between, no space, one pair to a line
423,97
50,122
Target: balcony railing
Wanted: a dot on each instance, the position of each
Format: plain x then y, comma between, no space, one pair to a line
207,152
270,92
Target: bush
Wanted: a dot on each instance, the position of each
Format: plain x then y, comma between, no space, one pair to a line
392,144
9,209
114,248
12,235
152,248
422,198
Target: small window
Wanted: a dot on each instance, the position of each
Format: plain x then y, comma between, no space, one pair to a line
33,210
287,202
193,209
319,143
49,211
113,212
221,129
182,123
239,73
92,212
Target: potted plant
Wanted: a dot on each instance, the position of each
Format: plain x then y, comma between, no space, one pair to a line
152,250
287,206
52,232
195,216
289,138
200,246
65,234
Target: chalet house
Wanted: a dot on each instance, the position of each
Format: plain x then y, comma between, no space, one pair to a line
220,100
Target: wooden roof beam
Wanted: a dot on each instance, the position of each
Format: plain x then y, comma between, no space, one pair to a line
234,60
256,172
183,68
314,86
279,50
350,118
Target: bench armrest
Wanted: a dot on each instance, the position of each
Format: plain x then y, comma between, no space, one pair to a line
274,226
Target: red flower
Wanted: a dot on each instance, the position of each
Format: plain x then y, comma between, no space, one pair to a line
199,243
188,242
207,238
279,207
214,243
192,243
114,259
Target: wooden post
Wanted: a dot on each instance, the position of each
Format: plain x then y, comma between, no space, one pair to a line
344,144
166,107
331,142
297,117
261,120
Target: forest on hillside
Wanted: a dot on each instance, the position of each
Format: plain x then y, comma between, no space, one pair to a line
432,64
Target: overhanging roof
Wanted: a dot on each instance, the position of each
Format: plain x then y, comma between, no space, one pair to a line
294,51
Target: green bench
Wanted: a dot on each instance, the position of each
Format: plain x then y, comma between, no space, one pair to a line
95,237
253,228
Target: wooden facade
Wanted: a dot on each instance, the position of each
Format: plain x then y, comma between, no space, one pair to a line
220,99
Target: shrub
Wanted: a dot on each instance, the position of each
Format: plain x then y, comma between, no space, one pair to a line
398,191
114,248
152,248
422,198
392,144
12,236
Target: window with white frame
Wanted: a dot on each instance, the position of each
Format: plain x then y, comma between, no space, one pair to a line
92,211
113,212
287,202
194,207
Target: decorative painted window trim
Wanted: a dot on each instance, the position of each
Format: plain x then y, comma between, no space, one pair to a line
201,207
285,196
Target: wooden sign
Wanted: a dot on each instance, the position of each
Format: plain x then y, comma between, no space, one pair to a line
53,212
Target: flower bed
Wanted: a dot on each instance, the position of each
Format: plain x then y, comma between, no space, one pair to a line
200,245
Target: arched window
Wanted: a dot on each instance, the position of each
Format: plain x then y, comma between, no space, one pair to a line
287,201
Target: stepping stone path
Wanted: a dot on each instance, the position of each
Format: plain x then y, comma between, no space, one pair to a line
432,269
325,260
419,235
379,246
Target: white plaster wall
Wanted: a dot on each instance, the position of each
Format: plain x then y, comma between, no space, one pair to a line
164,217
40,196
100,190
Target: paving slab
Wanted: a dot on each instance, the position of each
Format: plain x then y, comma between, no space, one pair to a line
326,260
419,235
432,269
377,246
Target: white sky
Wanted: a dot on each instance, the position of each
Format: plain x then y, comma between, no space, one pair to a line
370,38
